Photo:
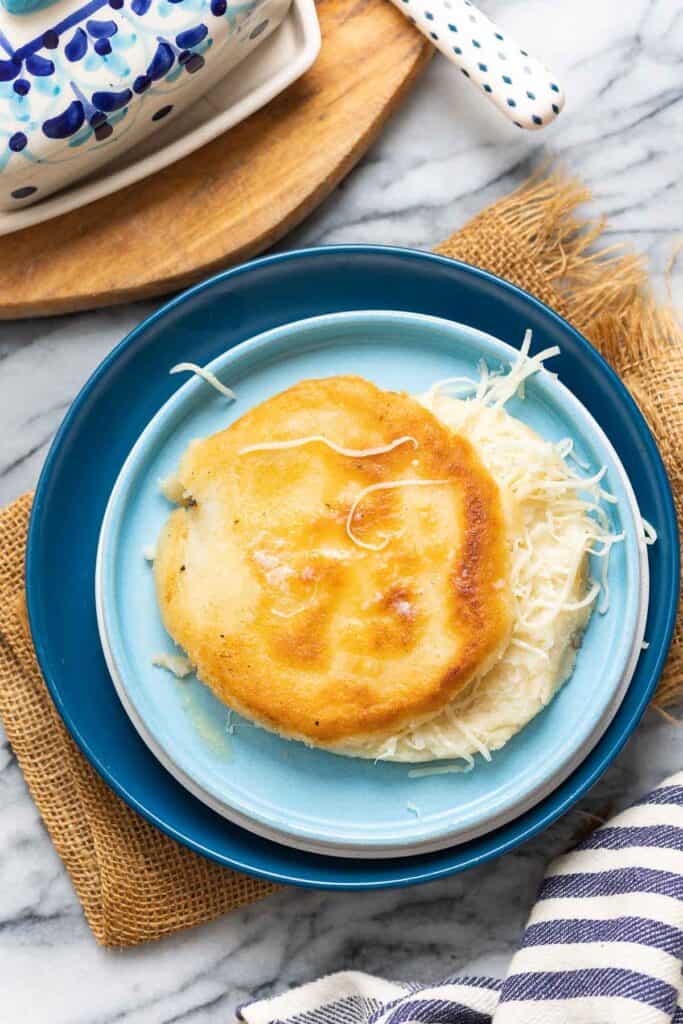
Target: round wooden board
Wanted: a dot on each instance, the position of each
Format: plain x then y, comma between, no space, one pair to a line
236,196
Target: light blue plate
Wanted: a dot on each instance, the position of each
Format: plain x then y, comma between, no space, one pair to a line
282,790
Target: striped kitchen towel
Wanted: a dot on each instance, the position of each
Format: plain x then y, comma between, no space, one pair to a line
603,945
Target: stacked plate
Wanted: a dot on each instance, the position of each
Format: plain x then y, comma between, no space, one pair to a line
229,789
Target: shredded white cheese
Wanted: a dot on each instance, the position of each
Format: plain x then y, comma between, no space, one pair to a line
149,552
388,486
649,532
607,545
178,664
538,651
290,615
206,375
174,491
441,769
557,518
496,388
352,453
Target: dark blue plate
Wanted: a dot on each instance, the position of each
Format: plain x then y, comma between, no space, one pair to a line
120,399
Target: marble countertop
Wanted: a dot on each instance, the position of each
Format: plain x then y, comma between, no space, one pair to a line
442,158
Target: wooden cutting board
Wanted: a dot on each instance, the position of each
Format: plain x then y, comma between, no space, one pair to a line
236,196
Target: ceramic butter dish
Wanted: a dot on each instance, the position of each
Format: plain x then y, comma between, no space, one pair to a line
82,82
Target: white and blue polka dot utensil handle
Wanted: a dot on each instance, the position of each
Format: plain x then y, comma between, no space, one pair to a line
519,85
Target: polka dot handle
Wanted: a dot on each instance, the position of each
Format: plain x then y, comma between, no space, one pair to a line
519,85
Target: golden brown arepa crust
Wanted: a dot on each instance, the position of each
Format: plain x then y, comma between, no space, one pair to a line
288,620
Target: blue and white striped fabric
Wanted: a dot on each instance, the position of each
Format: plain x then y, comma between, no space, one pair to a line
603,945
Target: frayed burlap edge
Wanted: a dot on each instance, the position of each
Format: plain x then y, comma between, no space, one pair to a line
534,239
136,884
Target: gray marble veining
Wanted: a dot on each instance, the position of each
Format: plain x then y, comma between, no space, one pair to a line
442,158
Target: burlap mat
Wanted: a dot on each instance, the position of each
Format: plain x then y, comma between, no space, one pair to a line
135,883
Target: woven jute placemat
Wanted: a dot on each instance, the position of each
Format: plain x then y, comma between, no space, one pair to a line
135,883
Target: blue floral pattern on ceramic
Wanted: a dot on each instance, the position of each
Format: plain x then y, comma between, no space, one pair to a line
104,75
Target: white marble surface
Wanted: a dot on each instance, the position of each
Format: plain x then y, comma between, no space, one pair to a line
443,157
